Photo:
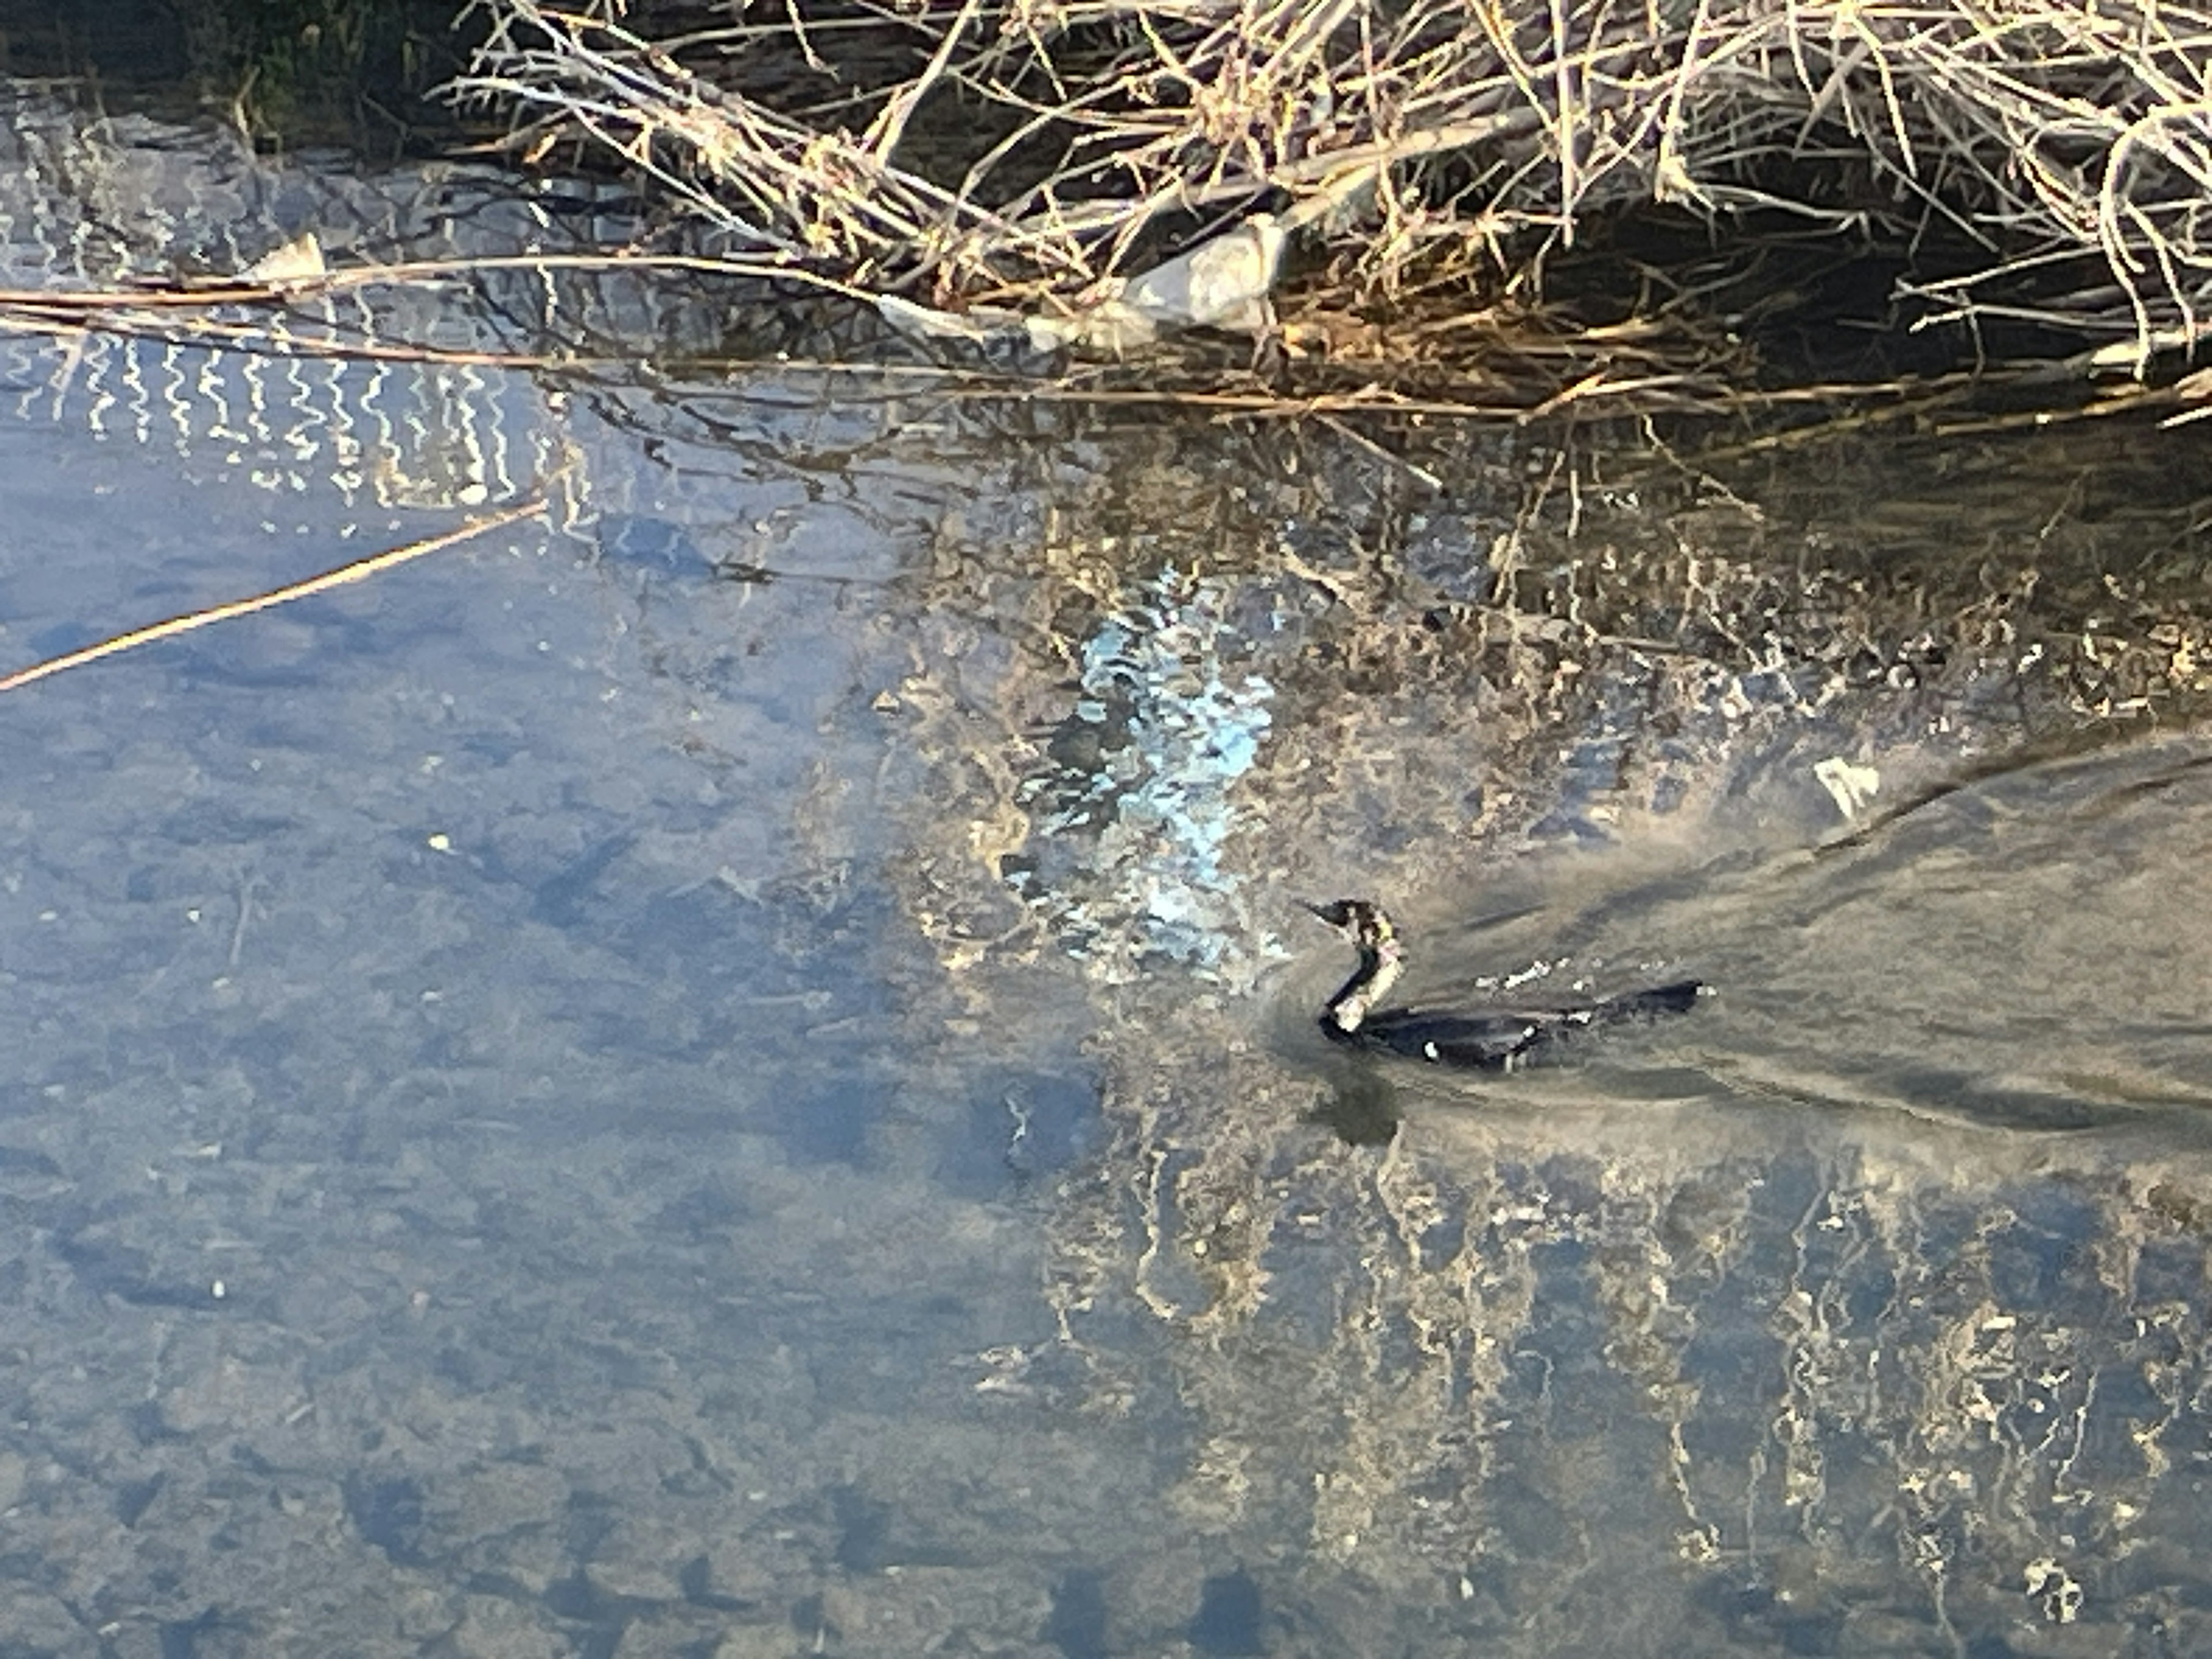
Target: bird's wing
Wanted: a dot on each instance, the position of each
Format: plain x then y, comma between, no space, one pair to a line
1490,1040
1494,1038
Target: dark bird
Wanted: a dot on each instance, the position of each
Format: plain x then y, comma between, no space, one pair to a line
1495,1039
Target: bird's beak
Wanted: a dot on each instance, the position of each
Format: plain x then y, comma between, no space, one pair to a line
1331,913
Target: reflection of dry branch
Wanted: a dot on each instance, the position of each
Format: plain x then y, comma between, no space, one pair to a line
960,153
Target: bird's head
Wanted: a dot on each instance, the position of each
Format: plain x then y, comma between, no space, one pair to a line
1363,919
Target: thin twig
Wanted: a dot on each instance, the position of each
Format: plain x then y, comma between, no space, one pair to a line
359,570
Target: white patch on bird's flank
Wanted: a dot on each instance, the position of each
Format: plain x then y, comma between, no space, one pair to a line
1849,786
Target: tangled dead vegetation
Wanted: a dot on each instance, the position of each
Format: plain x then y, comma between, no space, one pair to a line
1095,175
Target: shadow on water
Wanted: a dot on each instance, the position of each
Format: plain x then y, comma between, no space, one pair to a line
736,1073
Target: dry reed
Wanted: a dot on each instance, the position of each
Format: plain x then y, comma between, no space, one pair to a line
1036,154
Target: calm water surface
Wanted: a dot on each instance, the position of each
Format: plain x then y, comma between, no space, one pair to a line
729,1071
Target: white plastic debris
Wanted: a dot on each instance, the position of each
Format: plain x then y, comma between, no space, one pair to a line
1225,282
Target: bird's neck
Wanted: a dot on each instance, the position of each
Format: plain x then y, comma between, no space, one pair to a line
1379,965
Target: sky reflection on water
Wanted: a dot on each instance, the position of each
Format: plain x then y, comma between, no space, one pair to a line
732,1072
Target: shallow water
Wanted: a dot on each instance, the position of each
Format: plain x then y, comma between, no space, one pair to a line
731,1071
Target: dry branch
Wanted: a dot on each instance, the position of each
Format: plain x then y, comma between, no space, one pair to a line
957,152
358,570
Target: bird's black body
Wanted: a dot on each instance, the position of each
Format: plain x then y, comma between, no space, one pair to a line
1491,1039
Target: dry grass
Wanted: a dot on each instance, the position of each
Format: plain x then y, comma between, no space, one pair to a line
1032,154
